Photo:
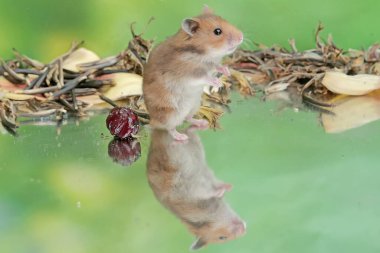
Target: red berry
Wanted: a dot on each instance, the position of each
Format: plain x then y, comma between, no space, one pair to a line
122,122
124,152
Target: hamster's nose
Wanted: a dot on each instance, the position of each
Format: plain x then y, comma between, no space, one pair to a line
240,230
240,227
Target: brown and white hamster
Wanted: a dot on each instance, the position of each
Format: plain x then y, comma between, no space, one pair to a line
181,180
178,69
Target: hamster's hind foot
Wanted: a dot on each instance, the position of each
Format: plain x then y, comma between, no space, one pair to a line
178,136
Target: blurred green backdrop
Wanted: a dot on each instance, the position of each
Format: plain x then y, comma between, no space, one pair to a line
45,28
299,189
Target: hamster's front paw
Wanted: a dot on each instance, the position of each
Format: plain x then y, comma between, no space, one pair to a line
215,82
224,70
178,136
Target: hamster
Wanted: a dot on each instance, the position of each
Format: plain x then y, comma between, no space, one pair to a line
178,69
181,180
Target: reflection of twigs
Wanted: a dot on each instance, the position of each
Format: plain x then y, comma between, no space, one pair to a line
315,102
8,114
42,113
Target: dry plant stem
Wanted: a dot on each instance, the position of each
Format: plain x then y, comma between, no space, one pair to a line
60,82
135,54
40,90
107,100
72,84
85,91
96,83
28,61
28,71
14,77
316,78
36,83
292,43
100,64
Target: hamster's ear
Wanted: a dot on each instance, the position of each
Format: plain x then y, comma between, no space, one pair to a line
199,243
207,10
190,25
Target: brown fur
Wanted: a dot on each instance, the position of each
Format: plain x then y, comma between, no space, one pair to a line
181,61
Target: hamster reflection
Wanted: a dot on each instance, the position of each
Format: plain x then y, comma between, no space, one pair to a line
181,180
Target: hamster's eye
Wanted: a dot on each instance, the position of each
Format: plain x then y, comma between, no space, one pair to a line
222,237
218,31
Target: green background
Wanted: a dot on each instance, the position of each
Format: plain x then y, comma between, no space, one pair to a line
43,29
299,189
